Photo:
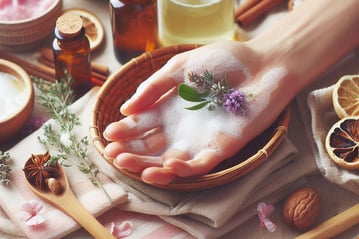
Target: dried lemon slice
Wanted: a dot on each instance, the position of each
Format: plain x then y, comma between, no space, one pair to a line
342,142
346,96
94,29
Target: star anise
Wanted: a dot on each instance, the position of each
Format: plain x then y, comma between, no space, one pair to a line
37,171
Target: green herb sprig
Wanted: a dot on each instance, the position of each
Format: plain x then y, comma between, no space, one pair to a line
5,167
64,145
207,91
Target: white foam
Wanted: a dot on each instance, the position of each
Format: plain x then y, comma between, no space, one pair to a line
137,145
194,130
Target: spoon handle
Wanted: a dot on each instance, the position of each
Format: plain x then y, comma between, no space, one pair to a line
73,208
334,225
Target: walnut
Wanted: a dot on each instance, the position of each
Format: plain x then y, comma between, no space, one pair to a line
302,208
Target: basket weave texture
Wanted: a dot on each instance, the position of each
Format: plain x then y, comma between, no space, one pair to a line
122,85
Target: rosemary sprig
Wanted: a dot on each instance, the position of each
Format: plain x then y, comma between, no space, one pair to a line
5,168
69,149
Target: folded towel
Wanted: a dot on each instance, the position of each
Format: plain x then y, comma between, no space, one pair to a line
214,212
323,117
213,207
205,214
57,224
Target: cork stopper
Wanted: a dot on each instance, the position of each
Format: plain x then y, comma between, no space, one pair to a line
69,25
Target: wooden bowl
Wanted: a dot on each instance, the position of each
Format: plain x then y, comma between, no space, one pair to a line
122,85
11,122
24,35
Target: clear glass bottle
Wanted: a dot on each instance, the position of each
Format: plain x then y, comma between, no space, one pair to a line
72,52
195,21
134,27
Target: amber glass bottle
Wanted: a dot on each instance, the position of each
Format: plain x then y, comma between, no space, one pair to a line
71,50
134,24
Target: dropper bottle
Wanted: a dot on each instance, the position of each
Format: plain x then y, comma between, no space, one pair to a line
71,50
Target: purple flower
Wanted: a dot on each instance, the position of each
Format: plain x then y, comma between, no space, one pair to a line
235,102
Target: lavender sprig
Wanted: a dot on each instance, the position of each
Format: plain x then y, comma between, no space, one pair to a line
211,93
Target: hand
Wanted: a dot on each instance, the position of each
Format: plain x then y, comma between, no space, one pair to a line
161,140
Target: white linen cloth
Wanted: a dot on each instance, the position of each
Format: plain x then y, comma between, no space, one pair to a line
323,117
57,224
204,214
317,111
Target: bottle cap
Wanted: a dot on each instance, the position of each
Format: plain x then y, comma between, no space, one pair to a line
69,25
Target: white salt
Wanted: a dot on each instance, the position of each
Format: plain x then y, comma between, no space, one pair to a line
12,95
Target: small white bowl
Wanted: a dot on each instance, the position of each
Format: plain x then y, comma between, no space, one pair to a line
24,35
11,123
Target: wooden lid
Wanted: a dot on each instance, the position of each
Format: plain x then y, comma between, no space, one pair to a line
69,25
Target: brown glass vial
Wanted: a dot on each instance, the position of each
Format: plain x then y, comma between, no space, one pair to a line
71,50
134,27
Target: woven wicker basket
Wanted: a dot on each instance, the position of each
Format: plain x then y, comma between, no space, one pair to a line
122,84
25,35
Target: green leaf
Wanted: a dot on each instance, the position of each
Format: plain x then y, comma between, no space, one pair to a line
198,106
190,93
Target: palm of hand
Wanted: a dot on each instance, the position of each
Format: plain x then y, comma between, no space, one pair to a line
161,140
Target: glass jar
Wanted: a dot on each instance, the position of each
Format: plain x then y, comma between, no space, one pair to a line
195,21
71,50
134,27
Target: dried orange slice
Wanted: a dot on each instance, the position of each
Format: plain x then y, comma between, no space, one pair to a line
342,142
94,29
346,96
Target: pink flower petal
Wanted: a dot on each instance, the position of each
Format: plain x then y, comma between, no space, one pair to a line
32,206
31,215
35,220
263,211
122,229
269,225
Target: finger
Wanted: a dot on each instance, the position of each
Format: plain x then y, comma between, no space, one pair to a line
207,159
158,175
113,149
200,165
131,127
152,89
150,145
176,153
136,163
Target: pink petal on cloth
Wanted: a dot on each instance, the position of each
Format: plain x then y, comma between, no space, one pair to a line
32,213
263,211
121,229
269,225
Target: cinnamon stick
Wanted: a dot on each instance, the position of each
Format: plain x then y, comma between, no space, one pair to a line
100,77
32,69
255,10
41,70
101,69
245,7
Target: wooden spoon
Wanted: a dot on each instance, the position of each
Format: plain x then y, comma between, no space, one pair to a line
334,225
66,201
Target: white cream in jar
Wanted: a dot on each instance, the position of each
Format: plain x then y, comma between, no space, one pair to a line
15,10
12,95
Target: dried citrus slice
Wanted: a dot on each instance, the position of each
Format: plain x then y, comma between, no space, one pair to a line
94,29
342,142
346,96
